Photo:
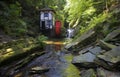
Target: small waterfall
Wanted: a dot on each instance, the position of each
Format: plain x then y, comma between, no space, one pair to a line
70,33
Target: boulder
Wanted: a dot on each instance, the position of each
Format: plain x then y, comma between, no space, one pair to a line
88,73
83,37
112,35
112,56
110,59
84,60
103,64
106,46
85,50
105,73
96,50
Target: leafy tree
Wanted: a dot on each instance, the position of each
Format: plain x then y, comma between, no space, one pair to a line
86,14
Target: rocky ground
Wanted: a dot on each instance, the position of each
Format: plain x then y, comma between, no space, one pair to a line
97,57
93,56
13,49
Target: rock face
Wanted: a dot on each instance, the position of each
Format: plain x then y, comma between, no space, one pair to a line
88,73
96,50
110,59
112,56
102,59
85,36
84,60
112,35
105,45
85,50
87,57
95,56
105,73
98,72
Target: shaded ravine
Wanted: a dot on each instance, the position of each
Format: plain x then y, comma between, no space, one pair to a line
55,60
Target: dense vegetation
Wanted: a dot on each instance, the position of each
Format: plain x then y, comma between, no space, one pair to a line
21,17
86,14
94,48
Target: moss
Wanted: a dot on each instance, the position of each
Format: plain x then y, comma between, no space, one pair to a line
18,49
9,58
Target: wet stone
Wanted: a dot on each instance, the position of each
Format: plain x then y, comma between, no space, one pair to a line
96,50
112,35
82,38
112,56
85,50
106,46
105,73
84,60
109,60
103,64
88,73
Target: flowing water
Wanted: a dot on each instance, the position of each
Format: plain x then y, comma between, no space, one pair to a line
55,59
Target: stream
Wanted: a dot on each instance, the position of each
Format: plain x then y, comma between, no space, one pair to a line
55,63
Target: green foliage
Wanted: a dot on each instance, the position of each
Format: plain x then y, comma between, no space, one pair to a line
41,39
95,21
11,21
76,8
17,17
86,14
63,31
14,9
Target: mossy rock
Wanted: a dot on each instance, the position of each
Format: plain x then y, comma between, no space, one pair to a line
20,55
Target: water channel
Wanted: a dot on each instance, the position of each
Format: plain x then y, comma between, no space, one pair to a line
55,59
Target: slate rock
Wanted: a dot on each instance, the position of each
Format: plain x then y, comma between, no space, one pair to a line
112,56
113,34
104,64
105,73
83,37
96,50
106,46
84,60
109,60
88,73
85,50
